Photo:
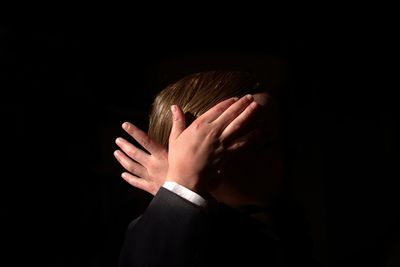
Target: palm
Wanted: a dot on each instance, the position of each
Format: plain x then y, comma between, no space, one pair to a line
145,170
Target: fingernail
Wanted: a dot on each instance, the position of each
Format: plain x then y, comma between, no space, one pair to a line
249,97
253,104
236,98
118,140
173,109
125,125
116,153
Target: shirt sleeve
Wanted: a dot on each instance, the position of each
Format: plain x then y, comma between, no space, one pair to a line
171,230
185,193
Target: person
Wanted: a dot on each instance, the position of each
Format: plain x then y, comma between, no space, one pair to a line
213,162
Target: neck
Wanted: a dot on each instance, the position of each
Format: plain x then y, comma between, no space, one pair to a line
259,209
236,199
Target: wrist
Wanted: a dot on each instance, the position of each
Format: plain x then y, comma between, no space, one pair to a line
190,183
185,193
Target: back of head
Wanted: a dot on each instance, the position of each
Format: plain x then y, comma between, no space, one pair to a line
195,94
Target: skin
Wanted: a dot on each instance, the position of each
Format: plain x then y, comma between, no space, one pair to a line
253,175
216,142
194,153
206,135
146,170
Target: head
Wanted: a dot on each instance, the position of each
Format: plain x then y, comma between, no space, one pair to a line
195,94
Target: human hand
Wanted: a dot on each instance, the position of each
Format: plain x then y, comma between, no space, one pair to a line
196,152
146,171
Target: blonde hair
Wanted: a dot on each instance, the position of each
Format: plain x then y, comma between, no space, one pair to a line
195,94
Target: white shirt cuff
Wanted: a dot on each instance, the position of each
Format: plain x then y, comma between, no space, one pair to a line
185,193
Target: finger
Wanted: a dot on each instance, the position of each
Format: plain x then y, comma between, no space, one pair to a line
232,112
130,165
178,122
214,112
137,182
142,138
243,141
132,151
239,123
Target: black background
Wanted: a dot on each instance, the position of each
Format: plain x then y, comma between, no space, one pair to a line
66,87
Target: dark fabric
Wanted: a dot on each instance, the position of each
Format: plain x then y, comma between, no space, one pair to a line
174,232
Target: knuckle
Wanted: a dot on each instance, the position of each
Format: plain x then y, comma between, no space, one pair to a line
237,126
237,145
134,182
220,109
132,152
131,169
234,146
145,141
198,125
213,133
131,131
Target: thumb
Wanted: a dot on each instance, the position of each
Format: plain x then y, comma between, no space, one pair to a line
178,122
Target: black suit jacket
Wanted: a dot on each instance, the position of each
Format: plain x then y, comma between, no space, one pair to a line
175,232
